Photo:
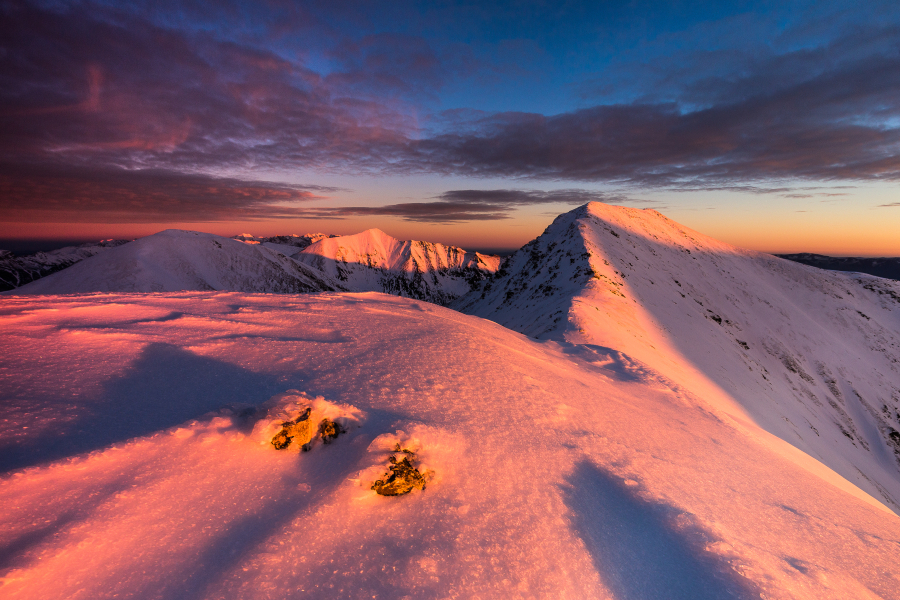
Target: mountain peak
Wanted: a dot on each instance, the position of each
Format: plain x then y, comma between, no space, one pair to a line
754,335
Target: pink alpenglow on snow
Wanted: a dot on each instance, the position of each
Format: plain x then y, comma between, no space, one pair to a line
648,414
134,471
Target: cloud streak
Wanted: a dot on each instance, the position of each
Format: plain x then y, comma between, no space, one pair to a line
473,205
36,194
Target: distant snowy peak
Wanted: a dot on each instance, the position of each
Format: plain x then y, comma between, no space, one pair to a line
374,261
298,242
376,249
813,356
175,260
16,271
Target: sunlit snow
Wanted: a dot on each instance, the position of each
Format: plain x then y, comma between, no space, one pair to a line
687,421
133,471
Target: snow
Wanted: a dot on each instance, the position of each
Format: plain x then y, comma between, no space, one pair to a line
812,356
174,260
373,261
134,471
16,271
687,420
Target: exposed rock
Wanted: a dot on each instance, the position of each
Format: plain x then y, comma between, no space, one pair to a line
300,430
329,430
402,477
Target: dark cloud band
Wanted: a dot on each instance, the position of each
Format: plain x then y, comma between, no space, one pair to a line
35,194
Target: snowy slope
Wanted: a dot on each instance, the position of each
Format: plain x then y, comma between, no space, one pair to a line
375,261
175,260
810,355
16,271
136,471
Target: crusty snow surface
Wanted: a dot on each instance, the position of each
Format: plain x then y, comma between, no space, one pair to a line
812,356
135,466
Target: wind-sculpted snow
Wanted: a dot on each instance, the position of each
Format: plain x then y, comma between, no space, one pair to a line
812,356
373,261
174,260
16,271
137,463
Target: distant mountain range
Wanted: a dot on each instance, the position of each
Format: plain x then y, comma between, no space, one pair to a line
887,267
175,260
16,271
447,281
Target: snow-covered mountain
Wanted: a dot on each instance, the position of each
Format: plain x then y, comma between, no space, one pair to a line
375,261
16,271
175,260
812,356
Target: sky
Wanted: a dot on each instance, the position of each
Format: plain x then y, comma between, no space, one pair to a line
770,125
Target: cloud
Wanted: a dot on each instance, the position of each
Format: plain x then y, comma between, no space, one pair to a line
29,194
475,205
888,205
512,197
100,96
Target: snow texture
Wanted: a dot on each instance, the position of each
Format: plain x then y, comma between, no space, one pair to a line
133,471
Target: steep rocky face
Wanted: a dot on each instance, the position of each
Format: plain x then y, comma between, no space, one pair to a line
16,271
375,261
812,356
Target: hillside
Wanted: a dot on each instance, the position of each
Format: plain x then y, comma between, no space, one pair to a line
375,261
142,468
812,356
16,271
175,260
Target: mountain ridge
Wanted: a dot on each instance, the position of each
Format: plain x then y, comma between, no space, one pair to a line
757,336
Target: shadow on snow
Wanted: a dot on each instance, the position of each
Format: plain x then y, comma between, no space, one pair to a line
164,387
637,548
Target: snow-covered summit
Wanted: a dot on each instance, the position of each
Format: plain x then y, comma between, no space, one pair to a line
175,260
810,355
375,261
